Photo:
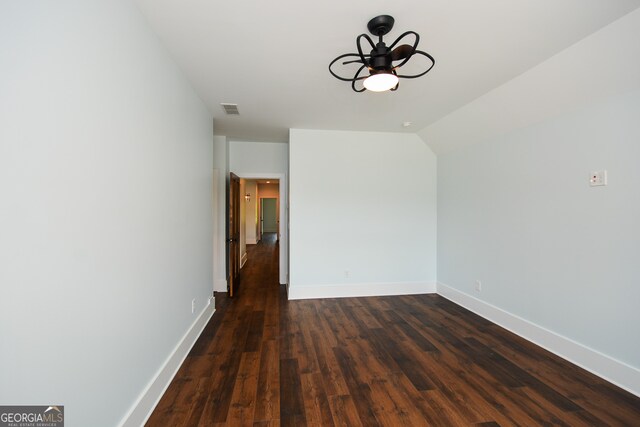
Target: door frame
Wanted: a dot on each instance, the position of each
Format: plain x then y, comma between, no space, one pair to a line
283,226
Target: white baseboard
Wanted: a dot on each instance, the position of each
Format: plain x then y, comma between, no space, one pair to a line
149,398
360,290
252,242
243,259
612,370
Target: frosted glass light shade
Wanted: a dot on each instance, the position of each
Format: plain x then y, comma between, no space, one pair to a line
380,82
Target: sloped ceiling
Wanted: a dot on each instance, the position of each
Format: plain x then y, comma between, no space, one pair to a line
271,58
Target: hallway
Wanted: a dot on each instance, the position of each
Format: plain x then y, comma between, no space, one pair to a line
401,360
218,381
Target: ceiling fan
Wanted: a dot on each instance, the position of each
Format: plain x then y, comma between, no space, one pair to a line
382,63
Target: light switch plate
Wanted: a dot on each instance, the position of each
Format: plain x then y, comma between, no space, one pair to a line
598,178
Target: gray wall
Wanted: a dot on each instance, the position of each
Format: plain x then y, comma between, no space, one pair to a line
269,215
105,214
517,213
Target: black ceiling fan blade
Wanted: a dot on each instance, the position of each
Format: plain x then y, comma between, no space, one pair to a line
356,78
352,62
402,52
345,56
418,53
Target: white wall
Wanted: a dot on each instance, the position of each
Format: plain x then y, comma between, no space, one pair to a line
516,211
105,177
251,160
365,203
264,157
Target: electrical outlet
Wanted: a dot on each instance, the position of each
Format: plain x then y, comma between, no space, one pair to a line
478,285
193,306
347,274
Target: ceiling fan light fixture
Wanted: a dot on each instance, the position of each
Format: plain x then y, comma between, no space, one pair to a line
380,82
383,63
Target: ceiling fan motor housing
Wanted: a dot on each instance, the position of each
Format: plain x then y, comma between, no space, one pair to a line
380,58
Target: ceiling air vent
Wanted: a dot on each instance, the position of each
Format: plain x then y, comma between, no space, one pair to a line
230,109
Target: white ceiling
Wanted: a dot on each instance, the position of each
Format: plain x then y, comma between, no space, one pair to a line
271,58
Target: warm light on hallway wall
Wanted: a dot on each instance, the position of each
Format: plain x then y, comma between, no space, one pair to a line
247,197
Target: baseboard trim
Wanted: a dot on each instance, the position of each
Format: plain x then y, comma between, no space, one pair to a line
347,290
252,242
149,398
616,372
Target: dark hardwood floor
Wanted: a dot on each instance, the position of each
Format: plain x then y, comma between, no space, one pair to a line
395,361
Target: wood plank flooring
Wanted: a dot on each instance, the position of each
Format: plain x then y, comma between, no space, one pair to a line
383,361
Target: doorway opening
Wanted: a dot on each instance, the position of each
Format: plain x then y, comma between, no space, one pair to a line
261,215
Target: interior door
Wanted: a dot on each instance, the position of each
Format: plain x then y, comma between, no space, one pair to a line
233,236
269,215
